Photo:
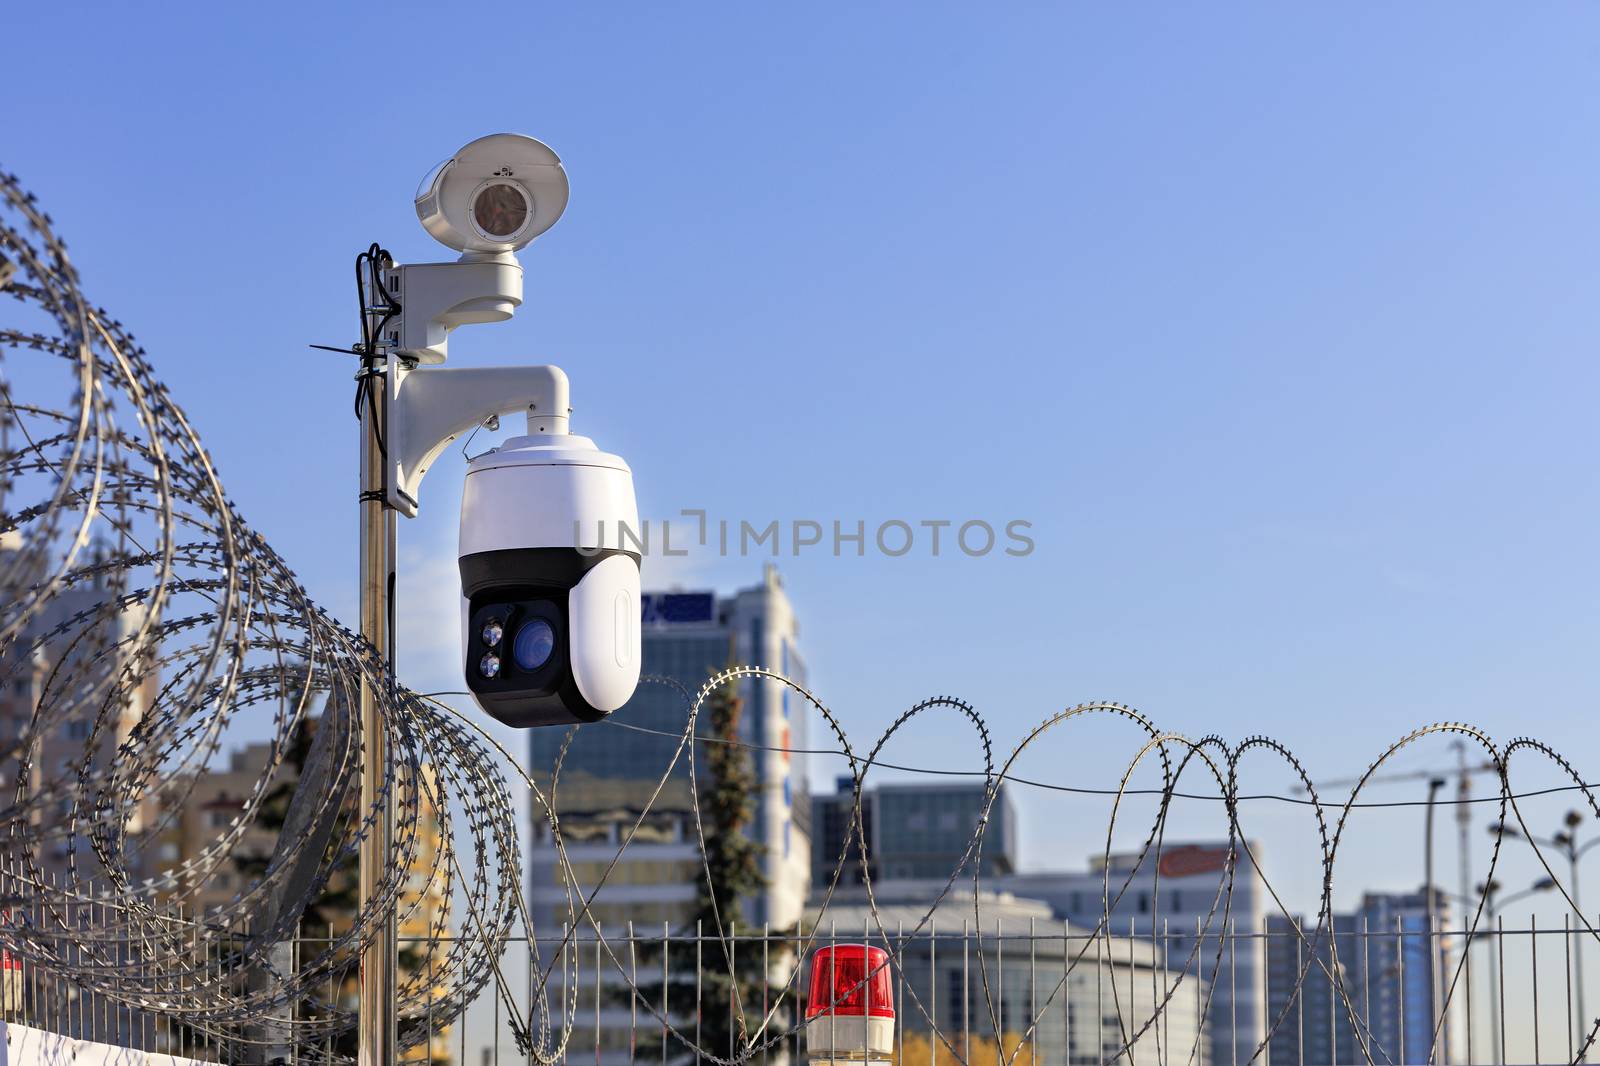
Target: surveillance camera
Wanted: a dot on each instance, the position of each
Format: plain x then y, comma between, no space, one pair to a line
495,195
551,627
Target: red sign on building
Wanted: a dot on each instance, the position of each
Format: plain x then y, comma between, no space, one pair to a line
1192,860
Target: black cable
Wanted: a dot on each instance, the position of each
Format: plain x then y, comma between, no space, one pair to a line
1297,800
370,266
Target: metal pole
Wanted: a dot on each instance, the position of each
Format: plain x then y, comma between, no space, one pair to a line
375,1022
1577,905
1494,977
1464,821
1430,944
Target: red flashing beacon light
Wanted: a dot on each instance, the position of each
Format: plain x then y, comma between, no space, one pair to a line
850,1010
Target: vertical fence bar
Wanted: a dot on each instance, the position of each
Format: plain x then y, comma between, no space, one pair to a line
1400,986
529,945
1157,977
998,1014
1300,997
1033,992
666,931
1066,991
1100,952
966,996
833,984
1466,961
494,1032
1333,993
933,992
1566,944
900,993
633,995
699,1000
1533,976
1233,987
1500,985
1366,980
735,997
1199,999
866,973
766,982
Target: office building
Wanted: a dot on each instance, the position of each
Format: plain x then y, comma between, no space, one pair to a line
1061,995
1177,897
913,830
202,808
1386,990
611,771
70,666
1174,898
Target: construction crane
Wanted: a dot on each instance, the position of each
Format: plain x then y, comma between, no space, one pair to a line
1462,772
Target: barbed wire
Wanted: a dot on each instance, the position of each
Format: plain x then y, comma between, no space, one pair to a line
144,621
1085,790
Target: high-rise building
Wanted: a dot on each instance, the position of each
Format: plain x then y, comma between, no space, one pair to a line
913,831
610,772
611,777
68,677
1391,972
1176,896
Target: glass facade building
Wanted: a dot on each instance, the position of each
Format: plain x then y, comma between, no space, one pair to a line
1381,955
913,831
610,771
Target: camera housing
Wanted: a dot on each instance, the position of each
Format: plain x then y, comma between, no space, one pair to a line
493,196
551,626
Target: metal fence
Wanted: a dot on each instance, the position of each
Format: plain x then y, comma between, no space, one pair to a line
1036,993
1031,993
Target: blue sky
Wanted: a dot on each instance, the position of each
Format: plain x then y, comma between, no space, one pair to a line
1277,323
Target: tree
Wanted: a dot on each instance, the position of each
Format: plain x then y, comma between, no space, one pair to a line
331,912
728,1000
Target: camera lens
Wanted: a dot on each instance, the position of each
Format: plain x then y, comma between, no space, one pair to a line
500,210
492,632
535,641
489,665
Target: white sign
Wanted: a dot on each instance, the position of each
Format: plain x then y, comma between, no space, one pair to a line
26,1046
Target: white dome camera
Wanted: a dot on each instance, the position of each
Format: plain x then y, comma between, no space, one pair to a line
551,627
495,195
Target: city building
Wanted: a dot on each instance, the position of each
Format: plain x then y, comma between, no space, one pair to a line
80,637
611,781
1175,898
204,808
1061,994
1386,990
913,830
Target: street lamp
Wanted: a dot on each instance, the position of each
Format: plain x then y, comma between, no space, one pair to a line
1492,906
1564,840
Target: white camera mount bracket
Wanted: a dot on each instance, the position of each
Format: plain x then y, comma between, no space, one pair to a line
438,297
428,409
